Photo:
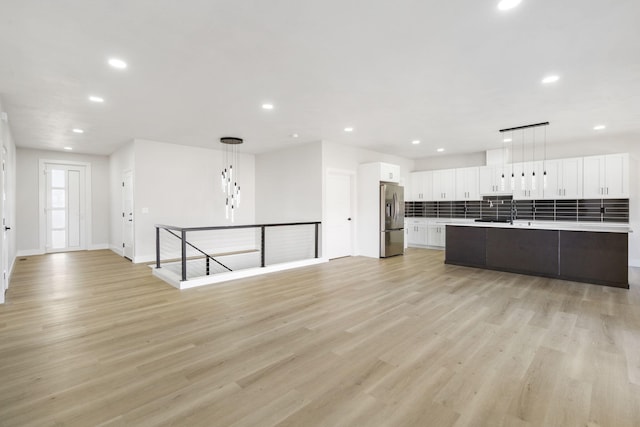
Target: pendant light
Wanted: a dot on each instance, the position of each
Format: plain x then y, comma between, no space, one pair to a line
533,180
533,166
522,178
229,178
544,162
513,176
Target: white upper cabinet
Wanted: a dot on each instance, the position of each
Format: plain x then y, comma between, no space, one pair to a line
444,184
468,184
528,180
606,176
492,182
564,179
389,172
421,186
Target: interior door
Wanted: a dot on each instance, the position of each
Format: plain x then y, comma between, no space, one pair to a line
65,207
127,215
5,227
339,213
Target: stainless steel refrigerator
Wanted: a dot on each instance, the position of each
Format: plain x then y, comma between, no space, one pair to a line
391,220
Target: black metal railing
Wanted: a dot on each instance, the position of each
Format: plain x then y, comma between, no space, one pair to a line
186,244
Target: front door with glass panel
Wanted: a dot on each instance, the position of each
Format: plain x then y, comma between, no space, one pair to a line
65,206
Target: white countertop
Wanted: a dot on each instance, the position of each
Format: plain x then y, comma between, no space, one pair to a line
602,227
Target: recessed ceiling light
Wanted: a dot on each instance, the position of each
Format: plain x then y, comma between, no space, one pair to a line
93,98
68,148
267,106
508,4
294,135
415,142
117,63
507,140
76,130
550,79
440,150
599,127
348,129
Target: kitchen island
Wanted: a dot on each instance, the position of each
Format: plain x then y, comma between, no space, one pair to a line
583,252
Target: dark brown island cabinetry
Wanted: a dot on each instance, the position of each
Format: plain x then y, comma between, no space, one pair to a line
582,256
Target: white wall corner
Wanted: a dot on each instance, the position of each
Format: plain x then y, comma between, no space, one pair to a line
634,263
117,249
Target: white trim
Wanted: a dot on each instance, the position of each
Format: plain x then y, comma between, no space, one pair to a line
29,252
42,202
143,259
174,280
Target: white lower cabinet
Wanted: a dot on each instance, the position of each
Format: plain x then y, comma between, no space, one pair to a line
436,236
416,232
425,233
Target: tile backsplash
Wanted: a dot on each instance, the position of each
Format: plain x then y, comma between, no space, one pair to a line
594,210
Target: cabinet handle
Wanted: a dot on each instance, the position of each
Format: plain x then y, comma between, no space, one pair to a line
607,190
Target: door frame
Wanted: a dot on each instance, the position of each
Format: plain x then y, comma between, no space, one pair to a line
123,225
5,267
354,208
42,186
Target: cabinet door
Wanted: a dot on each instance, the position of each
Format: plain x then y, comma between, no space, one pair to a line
389,172
436,235
444,184
417,187
520,181
487,181
534,179
553,187
593,177
461,184
427,185
467,184
473,184
616,179
571,179
417,233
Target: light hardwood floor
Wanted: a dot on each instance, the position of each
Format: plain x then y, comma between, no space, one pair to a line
88,338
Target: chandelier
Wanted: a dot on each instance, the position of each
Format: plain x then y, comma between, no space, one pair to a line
229,178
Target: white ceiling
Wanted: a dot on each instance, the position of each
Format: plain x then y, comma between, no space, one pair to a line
449,73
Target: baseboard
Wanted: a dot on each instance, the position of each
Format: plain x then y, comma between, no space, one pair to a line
117,249
98,246
29,252
144,259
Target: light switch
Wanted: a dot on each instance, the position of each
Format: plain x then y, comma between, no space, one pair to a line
145,210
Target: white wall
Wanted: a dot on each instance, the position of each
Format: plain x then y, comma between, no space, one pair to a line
27,202
180,185
346,158
289,184
120,161
450,161
6,141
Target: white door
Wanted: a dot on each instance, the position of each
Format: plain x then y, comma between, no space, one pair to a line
339,215
5,227
65,208
593,177
127,215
